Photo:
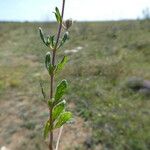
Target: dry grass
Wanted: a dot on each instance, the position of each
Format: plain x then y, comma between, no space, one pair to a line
107,114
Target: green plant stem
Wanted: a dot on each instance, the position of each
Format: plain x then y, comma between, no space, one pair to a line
52,77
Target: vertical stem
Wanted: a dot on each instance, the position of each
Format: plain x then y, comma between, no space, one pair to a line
52,77
50,113
58,140
58,34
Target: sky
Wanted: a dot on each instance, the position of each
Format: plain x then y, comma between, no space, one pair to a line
80,10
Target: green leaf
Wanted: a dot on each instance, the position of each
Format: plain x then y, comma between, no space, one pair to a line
47,129
64,39
58,109
61,89
50,41
57,11
48,64
56,102
42,35
58,15
57,18
61,64
64,118
48,60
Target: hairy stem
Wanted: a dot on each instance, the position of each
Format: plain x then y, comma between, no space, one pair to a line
52,76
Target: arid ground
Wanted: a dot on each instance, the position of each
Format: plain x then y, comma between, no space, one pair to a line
103,58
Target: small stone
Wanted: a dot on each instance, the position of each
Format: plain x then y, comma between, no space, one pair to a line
139,85
79,48
145,91
71,51
135,83
4,148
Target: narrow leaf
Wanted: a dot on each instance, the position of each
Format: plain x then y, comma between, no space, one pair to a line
48,60
52,42
42,35
48,64
61,89
64,118
58,109
61,64
47,129
57,10
64,39
58,15
48,41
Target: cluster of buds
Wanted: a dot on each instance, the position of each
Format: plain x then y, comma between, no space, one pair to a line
67,24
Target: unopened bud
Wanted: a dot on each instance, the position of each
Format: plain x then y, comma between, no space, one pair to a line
67,24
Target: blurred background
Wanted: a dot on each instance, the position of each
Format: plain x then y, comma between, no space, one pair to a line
108,73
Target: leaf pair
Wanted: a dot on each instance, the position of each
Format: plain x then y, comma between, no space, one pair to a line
59,115
57,110
60,91
49,40
63,118
50,67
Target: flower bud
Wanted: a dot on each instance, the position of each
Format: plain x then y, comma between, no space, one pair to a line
67,24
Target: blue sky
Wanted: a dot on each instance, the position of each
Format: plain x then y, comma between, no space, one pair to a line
81,10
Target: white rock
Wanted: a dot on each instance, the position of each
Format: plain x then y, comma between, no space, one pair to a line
71,51
4,148
79,48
